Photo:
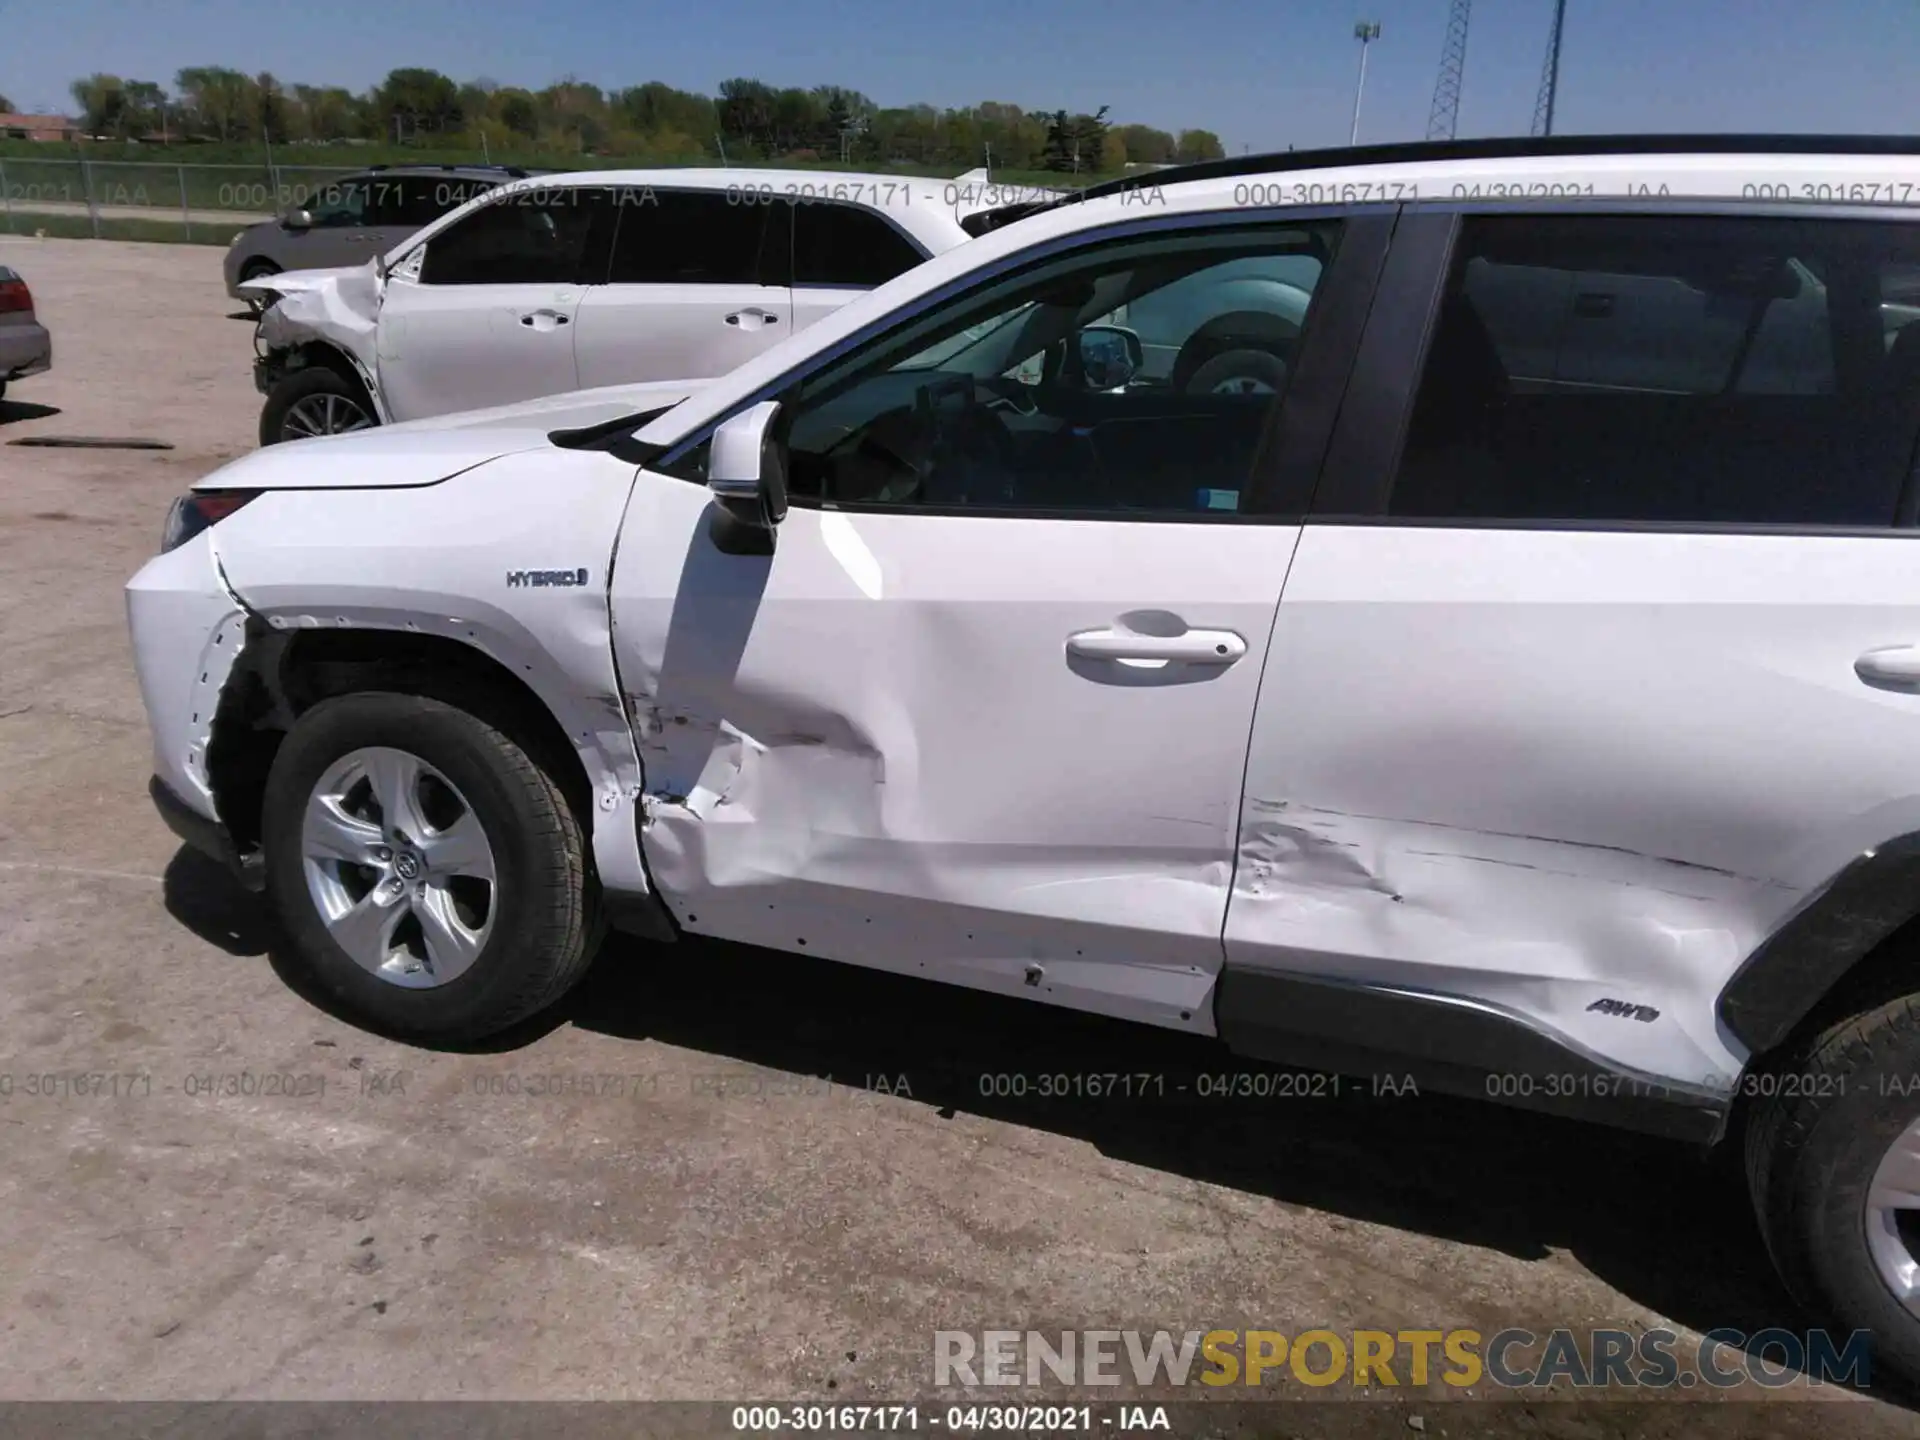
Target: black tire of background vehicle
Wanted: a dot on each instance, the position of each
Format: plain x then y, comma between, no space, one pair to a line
3,389
547,921
1810,1158
293,388
1261,365
256,270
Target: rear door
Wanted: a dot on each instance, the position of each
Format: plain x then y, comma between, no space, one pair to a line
697,284
487,317
1578,688
841,250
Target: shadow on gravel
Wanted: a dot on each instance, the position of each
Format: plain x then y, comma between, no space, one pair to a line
1664,1224
13,411
201,895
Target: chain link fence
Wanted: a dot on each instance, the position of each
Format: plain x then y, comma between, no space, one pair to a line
145,200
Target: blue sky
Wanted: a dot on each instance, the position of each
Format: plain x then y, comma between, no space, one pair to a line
1262,75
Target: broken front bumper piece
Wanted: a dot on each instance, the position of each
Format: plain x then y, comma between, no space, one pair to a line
188,630
209,837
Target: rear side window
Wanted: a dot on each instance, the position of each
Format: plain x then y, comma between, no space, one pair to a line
530,237
836,244
667,237
1681,370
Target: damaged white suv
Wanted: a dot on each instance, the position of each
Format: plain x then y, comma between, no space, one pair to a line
563,282
1520,690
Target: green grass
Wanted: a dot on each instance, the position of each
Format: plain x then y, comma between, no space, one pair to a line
80,227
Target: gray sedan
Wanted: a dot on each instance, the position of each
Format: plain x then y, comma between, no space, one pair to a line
25,346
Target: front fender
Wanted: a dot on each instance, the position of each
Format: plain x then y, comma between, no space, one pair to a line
465,560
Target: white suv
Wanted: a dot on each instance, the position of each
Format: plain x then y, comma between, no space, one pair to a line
1520,690
571,281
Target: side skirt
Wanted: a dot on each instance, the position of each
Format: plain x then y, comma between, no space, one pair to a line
1448,1045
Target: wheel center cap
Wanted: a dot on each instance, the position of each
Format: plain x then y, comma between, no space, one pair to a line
407,865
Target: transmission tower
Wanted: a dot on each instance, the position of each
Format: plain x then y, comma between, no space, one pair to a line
1550,73
1445,114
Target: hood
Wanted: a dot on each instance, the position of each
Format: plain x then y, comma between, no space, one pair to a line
295,282
425,452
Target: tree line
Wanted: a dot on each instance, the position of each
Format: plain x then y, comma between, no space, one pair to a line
746,120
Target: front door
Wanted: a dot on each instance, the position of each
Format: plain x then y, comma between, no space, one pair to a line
487,317
982,714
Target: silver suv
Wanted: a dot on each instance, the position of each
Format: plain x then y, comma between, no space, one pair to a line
350,220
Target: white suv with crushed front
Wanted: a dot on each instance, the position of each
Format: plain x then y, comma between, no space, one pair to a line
571,281
1519,690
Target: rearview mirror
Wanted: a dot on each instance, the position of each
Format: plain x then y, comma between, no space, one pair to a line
1110,356
747,474
300,219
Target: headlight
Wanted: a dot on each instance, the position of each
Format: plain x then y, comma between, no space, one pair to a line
238,237
195,511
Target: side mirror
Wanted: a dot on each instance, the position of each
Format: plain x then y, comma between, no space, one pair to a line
1110,356
747,470
300,219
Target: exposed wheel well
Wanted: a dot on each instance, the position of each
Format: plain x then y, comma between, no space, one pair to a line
318,353
279,677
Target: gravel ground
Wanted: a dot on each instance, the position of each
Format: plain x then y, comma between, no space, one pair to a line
264,1202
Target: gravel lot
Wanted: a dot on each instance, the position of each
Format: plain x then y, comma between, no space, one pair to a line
699,1219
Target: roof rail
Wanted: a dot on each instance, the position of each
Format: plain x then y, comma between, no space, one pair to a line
1515,147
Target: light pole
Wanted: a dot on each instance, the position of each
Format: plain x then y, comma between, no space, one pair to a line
1366,32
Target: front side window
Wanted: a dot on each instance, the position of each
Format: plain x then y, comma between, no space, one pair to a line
340,204
1033,393
422,199
530,237
1679,370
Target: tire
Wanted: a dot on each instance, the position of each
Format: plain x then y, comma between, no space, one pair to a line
3,389
1260,371
542,917
258,270
311,390
1811,1158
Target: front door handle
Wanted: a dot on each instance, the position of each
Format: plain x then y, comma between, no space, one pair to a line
1892,667
752,319
1196,647
543,319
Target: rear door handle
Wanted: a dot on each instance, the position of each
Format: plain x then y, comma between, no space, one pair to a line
543,319
1892,667
1197,647
752,319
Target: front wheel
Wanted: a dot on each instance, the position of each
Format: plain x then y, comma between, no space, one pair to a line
1833,1161
314,401
430,874
1240,372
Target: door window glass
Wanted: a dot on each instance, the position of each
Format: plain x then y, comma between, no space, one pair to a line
1617,368
835,244
1031,394
340,204
529,237
668,237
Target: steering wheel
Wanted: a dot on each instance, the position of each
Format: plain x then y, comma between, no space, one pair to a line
970,453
